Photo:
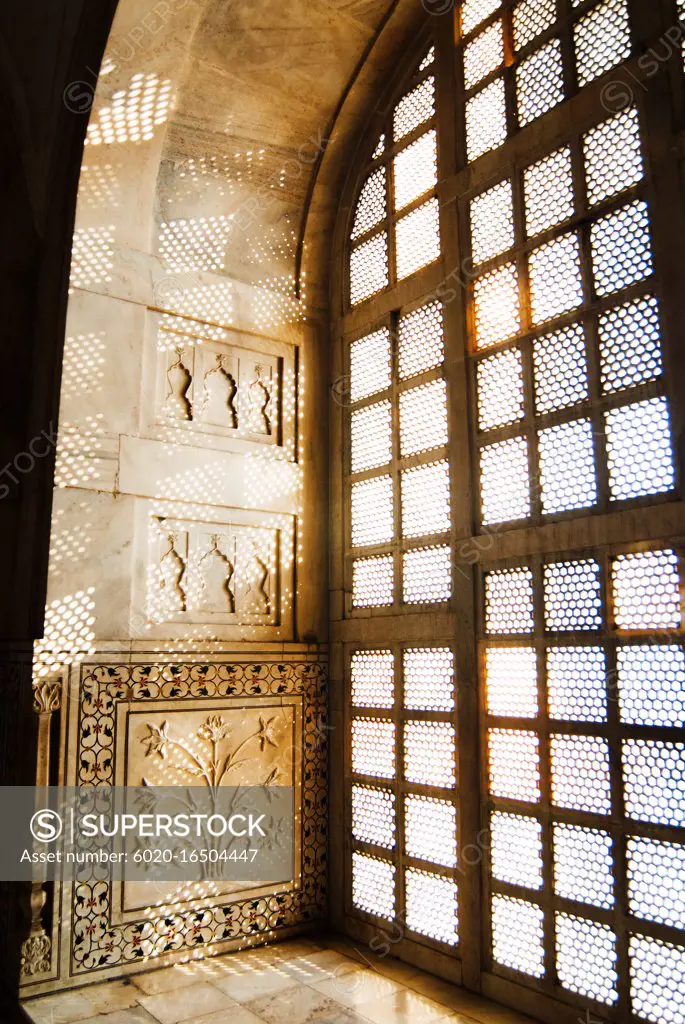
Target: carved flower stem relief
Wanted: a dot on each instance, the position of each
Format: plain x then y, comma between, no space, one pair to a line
215,735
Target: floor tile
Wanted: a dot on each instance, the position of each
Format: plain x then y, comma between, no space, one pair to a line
64,1008
167,979
134,1015
404,1007
255,984
319,966
113,995
303,1005
357,988
237,1015
186,1004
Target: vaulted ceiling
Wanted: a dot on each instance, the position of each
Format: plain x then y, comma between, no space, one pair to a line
213,119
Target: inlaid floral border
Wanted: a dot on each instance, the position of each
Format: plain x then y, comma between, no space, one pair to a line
96,943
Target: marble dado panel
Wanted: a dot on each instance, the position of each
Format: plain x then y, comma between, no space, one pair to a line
207,742
213,385
227,577
128,722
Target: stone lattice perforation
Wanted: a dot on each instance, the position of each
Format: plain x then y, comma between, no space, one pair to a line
99,945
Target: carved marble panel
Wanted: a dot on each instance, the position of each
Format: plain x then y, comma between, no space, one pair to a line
268,718
226,741
227,577
212,383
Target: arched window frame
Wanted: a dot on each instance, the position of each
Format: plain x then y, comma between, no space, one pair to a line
608,532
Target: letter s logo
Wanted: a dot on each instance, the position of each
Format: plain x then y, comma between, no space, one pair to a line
46,826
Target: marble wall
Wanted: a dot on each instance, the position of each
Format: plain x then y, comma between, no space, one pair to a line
190,515
187,565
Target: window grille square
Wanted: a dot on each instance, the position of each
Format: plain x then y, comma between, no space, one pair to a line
427,575
496,302
430,830
517,935
483,54
371,205
602,40
514,765
373,582
500,389
373,679
417,239
548,190
414,109
630,344
573,596
492,222
504,481
583,865
423,418
621,248
432,906
650,864
373,886
486,120
639,450
473,12
516,849
581,778
540,82
651,685
416,170
371,438
511,681
556,284
654,779
657,980
373,748
613,156
576,684
531,18
372,511
373,816
369,268
560,369
428,679
567,466
421,343
370,365
586,958
646,590
509,601
426,500
429,754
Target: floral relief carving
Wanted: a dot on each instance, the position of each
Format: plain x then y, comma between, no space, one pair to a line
222,759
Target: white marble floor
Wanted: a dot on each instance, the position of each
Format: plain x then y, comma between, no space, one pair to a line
296,982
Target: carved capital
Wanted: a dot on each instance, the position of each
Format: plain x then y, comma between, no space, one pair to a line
47,696
35,955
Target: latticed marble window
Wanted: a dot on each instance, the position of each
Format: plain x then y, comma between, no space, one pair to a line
395,227
399,484
620,610
576,315
510,512
404,762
